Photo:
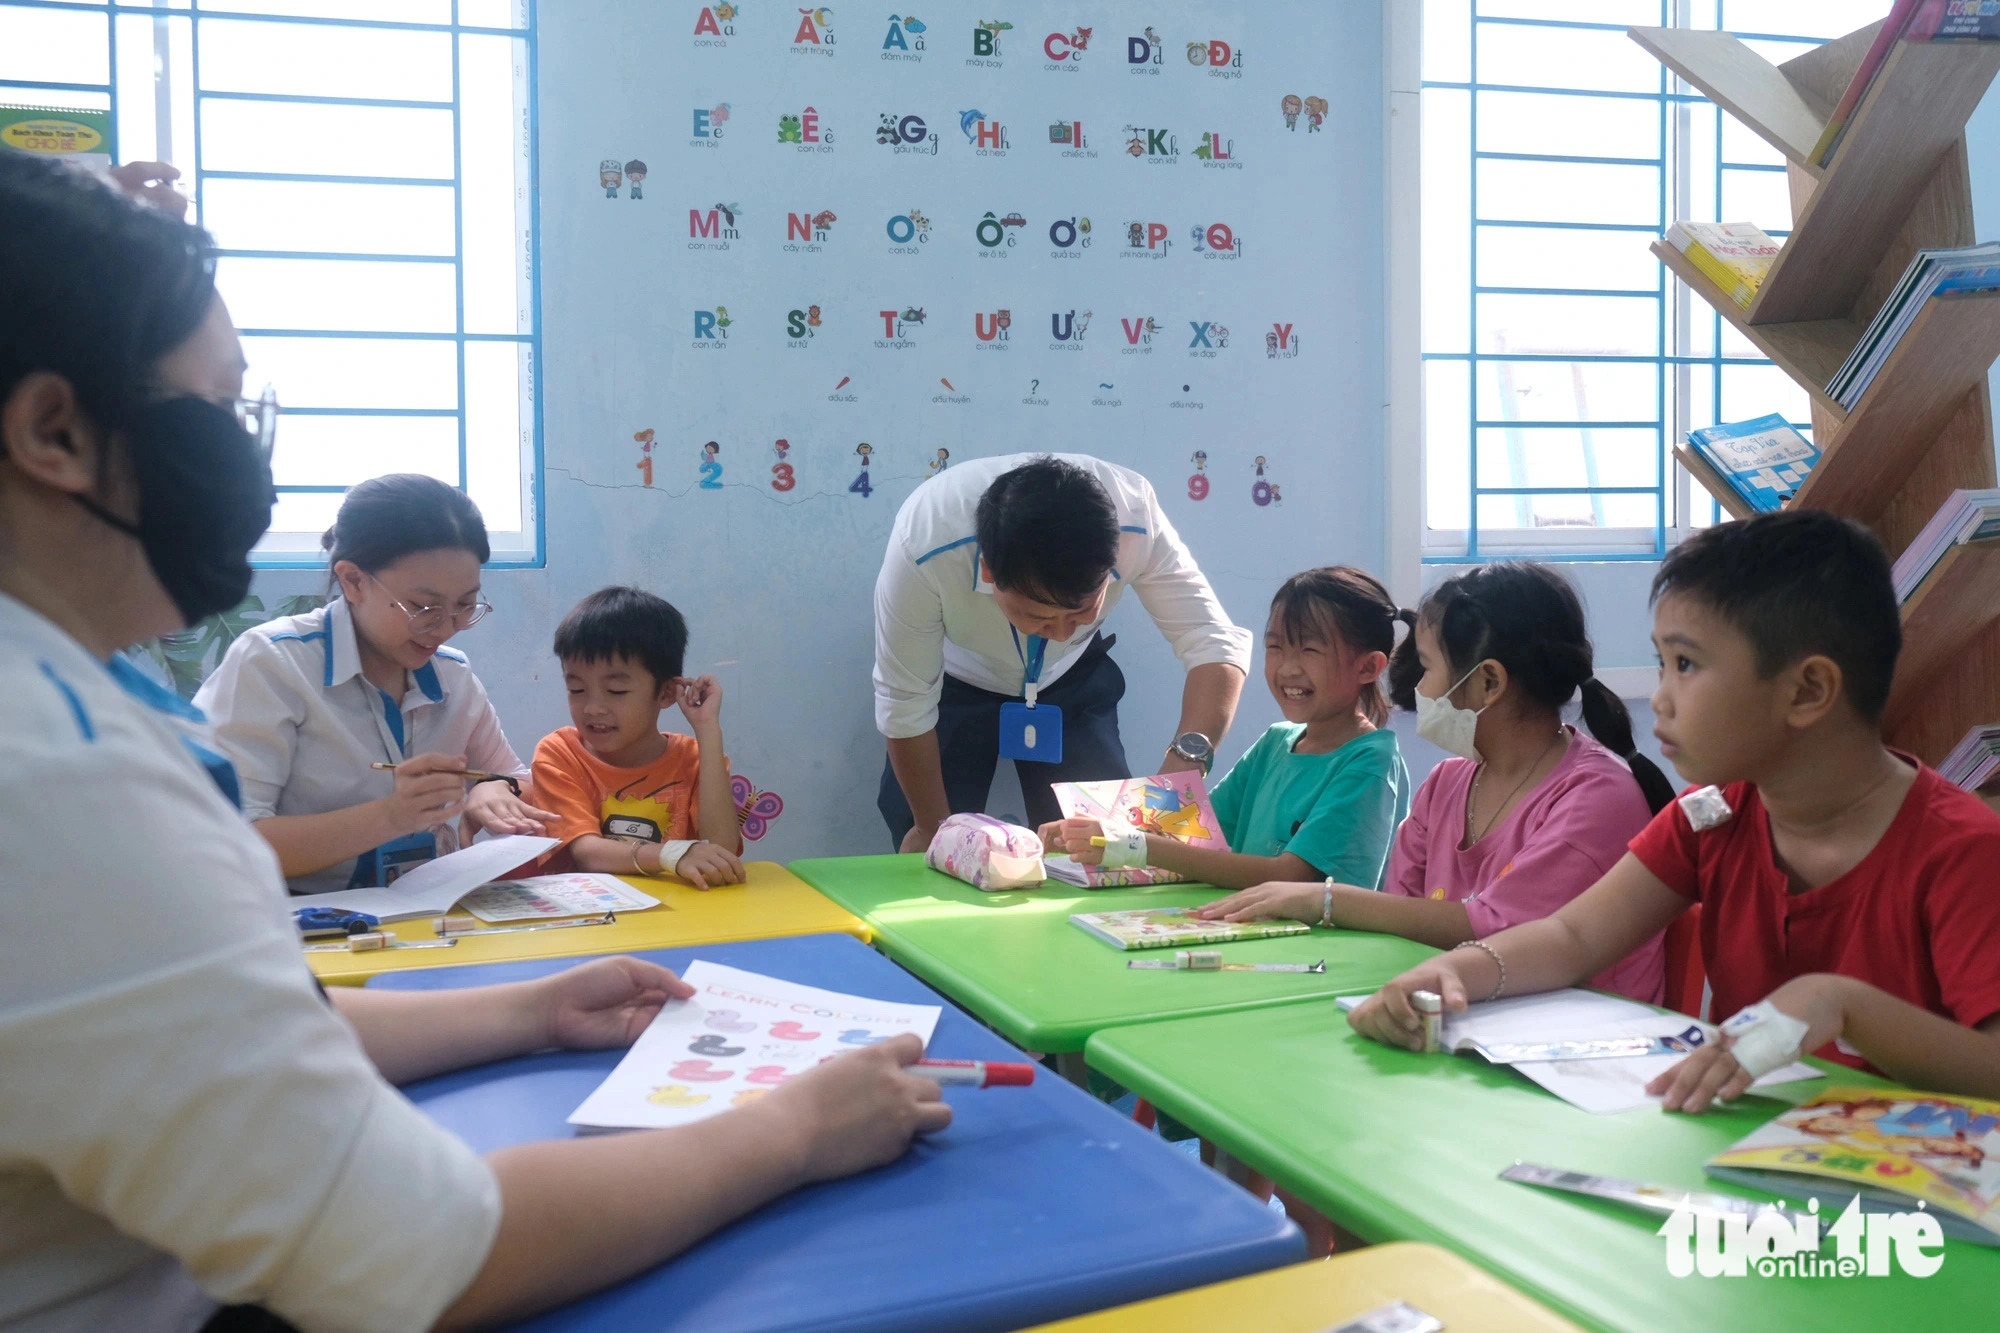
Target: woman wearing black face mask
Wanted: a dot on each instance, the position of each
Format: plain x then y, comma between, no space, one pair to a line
184,1122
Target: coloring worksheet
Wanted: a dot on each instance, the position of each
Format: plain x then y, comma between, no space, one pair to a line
739,1036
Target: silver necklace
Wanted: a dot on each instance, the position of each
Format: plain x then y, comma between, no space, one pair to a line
1472,797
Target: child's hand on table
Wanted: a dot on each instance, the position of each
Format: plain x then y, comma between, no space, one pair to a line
1712,1073
859,1110
701,703
493,806
706,865
605,1002
1281,900
1073,836
1387,1015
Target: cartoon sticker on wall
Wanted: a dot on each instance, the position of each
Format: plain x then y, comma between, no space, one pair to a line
941,462
644,439
1262,492
711,467
782,476
635,176
905,33
1198,483
861,486
755,810
611,175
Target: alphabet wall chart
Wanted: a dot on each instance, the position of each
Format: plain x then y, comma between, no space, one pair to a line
798,260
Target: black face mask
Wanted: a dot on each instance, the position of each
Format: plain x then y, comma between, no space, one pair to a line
205,499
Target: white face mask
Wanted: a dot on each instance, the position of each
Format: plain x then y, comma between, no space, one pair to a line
1448,726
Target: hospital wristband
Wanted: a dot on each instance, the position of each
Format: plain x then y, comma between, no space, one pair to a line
1124,849
671,852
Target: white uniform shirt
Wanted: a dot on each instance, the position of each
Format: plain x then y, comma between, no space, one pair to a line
934,614
302,724
183,1119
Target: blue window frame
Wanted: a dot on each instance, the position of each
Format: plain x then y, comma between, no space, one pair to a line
1561,359
368,168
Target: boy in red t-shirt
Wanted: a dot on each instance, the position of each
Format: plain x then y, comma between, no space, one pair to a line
629,798
1850,899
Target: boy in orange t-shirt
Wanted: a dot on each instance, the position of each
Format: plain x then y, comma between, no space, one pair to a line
629,798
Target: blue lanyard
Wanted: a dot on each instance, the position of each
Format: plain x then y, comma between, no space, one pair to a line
1031,661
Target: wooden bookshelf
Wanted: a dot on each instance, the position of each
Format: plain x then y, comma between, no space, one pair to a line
1711,481
1897,182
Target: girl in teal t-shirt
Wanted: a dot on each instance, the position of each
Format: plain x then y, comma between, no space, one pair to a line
1320,794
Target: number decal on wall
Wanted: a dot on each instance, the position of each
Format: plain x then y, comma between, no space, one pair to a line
1198,487
782,478
1261,492
645,466
861,485
711,476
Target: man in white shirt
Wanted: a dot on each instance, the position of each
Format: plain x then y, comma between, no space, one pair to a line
998,576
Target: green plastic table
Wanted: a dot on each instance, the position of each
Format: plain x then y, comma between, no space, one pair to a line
1398,1146
1014,959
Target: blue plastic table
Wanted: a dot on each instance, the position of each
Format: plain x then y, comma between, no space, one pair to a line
1037,1203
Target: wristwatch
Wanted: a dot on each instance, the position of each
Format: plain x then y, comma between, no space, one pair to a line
1195,748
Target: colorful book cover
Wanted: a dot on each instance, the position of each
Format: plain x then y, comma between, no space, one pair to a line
1899,19
1170,927
1894,1148
84,136
1174,805
1764,460
1734,256
1959,21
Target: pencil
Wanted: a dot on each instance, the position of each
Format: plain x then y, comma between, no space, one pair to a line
472,773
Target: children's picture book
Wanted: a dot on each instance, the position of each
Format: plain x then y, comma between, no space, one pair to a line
83,137
1966,516
1971,268
1174,805
1734,256
1973,761
1895,1149
1595,1051
545,897
1172,927
1764,460
1957,21
738,1036
435,885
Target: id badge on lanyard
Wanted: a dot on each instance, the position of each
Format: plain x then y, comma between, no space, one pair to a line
1029,730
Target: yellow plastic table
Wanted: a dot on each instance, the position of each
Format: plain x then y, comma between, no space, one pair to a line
775,902
1313,1297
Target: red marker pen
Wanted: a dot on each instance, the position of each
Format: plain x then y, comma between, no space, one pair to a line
974,1073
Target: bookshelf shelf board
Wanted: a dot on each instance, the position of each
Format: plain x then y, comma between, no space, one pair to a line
1744,84
1959,598
1711,481
1941,358
1810,352
1913,113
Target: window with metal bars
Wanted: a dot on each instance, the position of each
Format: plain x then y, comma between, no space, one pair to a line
1561,359
368,169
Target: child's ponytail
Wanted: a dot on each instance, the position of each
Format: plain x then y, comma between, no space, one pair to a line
1526,617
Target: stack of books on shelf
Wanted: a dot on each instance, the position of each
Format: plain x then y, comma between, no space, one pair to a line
1920,21
1734,256
1973,268
1974,760
1968,516
1762,463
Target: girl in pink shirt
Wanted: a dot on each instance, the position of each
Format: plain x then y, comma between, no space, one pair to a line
1529,812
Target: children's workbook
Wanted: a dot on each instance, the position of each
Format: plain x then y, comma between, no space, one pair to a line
83,137
1595,1051
1174,805
1764,461
435,885
1172,927
544,897
740,1035
1893,1148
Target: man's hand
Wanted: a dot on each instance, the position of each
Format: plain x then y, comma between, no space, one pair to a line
493,806
918,839
859,1110
1176,762
605,1002
152,183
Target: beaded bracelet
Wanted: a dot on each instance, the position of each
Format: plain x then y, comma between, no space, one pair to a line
1498,961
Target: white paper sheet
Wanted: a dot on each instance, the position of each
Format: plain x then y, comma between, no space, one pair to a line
547,897
739,1036
435,885
1598,1086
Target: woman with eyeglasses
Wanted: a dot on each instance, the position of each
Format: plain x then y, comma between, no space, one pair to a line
305,704
192,1135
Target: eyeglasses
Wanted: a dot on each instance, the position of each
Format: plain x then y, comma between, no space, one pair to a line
259,417
431,619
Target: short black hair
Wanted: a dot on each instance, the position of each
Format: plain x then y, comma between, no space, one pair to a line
1048,531
1798,583
94,286
628,623
383,519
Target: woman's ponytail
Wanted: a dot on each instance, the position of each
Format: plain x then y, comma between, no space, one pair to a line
1611,723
